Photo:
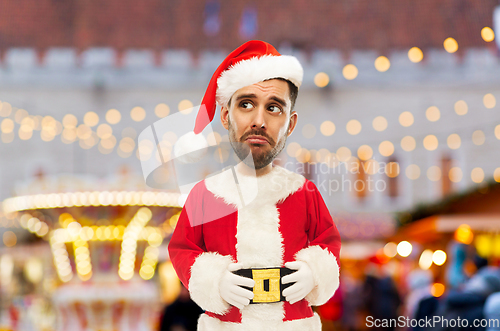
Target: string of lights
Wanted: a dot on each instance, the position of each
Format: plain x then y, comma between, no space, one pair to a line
90,133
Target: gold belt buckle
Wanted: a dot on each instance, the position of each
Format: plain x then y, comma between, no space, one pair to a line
273,277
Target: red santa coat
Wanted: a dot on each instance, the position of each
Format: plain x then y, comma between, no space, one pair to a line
282,218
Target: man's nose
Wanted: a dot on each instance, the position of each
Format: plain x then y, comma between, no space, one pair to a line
259,120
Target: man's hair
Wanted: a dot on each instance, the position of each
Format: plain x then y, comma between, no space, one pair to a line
292,89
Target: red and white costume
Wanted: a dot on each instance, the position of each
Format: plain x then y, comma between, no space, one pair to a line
287,220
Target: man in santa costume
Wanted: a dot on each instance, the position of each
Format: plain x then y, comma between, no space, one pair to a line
267,258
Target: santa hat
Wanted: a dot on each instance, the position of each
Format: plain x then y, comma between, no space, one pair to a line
253,62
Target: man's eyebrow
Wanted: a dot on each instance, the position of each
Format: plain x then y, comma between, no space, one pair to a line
280,101
244,96
252,95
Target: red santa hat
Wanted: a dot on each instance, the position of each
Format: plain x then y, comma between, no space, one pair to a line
253,62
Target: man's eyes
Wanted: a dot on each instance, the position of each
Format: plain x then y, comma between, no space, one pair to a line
273,108
246,105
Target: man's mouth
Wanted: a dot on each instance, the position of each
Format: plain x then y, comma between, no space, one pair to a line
255,139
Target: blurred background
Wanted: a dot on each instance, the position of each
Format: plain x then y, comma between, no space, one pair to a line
399,127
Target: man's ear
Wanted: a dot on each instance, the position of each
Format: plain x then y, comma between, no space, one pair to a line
224,115
292,123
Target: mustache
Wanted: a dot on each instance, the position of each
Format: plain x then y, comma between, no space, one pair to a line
258,132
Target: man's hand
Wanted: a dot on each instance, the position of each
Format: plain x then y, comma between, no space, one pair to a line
303,278
230,287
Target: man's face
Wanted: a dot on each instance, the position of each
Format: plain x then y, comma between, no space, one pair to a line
259,120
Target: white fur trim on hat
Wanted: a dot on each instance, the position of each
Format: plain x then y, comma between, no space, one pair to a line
325,272
206,274
257,69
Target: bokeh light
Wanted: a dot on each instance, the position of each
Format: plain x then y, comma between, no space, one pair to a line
461,107
439,257
382,64
162,110
308,131
454,141
343,154
303,155
455,174
450,45
477,175
5,109
104,131
415,54
70,121
365,152
327,128
129,132
9,238
321,79
478,137
464,234
350,72
431,142
371,166
412,171
392,169
408,143
185,106
425,260
433,114
386,148
437,290
496,175
434,173
292,149
138,114
353,127
113,116
390,249
379,123
404,248
406,119
91,119
489,101
7,125
487,34
20,115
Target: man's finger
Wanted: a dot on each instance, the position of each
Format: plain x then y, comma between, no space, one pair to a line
240,291
293,277
243,281
295,265
296,297
238,301
233,267
238,305
291,290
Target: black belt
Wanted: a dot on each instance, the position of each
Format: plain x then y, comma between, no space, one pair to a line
268,287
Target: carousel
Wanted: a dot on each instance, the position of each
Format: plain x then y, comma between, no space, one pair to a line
105,239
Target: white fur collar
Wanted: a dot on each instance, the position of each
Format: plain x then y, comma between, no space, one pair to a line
272,187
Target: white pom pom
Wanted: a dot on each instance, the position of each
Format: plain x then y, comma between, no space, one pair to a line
190,147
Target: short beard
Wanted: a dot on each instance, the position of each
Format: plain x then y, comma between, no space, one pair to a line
241,149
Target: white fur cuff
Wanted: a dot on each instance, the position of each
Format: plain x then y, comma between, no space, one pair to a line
325,272
206,273
207,323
